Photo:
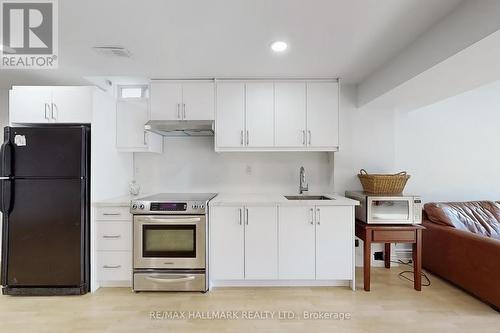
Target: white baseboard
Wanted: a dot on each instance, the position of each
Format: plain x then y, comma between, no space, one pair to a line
280,283
115,284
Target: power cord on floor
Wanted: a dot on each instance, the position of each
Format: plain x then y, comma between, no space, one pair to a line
402,275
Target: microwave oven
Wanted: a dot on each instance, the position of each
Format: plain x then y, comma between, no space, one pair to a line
387,209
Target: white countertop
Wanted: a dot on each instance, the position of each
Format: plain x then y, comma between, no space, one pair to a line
237,199
123,201
230,199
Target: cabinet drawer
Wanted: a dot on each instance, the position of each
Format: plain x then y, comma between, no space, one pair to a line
114,265
115,236
113,213
393,235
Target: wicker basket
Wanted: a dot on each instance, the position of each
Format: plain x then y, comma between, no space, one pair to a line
383,183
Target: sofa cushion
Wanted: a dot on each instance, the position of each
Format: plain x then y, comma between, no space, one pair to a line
479,217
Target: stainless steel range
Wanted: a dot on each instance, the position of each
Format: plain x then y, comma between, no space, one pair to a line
170,242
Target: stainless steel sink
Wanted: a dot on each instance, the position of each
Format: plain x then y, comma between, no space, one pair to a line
307,197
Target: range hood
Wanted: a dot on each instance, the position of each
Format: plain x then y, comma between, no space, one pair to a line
181,127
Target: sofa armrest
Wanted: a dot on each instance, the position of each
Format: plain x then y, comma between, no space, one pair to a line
466,259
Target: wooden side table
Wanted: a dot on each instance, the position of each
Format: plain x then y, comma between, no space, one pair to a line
387,234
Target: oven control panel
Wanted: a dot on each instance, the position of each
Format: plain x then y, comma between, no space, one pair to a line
168,206
157,207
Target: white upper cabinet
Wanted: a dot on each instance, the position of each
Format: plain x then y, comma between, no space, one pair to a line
50,104
290,114
198,99
322,114
259,114
230,123
165,100
277,115
30,105
72,104
131,115
182,100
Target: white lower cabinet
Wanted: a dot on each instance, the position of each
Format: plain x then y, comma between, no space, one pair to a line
334,242
261,250
243,243
114,266
296,243
227,237
287,243
113,236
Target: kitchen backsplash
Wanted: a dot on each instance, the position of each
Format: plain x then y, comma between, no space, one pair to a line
189,164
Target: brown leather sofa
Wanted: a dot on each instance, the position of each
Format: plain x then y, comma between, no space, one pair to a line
461,244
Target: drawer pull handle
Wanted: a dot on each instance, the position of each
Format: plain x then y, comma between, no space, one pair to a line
111,236
112,266
111,214
170,279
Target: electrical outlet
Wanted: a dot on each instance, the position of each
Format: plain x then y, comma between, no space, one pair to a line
248,169
356,243
379,255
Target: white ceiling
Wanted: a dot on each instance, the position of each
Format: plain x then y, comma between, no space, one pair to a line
221,38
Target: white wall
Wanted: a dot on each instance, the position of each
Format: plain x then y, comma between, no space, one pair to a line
191,165
366,141
111,170
452,148
4,109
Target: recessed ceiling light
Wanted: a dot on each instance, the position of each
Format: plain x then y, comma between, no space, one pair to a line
279,46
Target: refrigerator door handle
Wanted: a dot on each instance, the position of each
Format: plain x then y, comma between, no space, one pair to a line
5,159
5,183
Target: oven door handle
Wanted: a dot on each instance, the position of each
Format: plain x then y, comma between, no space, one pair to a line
170,220
170,279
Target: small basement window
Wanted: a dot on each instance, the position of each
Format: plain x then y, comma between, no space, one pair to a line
133,92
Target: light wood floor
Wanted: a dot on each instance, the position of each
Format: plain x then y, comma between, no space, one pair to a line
391,306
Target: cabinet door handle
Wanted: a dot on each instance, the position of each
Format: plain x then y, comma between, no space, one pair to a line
240,215
111,266
312,216
178,111
241,138
111,214
111,236
248,140
309,132
183,111
145,140
303,137
54,110
246,212
318,215
46,109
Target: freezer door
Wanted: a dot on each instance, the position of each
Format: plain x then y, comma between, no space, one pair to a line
46,231
43,152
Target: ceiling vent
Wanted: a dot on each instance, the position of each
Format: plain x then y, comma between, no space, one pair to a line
113,51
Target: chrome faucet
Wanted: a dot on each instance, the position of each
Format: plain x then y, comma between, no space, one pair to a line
303,187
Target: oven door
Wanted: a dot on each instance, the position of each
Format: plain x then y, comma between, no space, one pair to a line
389,210
171,242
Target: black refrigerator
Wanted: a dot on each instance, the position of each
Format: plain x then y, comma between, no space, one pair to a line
45,205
